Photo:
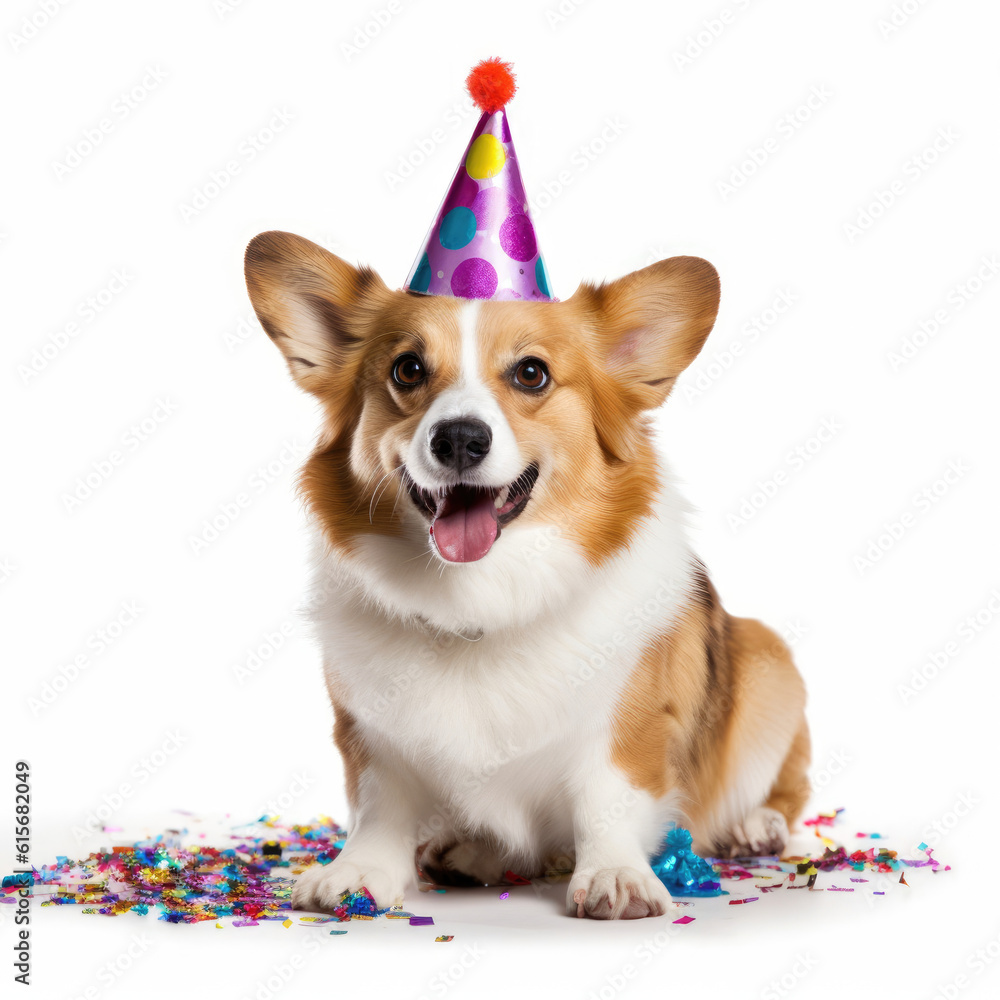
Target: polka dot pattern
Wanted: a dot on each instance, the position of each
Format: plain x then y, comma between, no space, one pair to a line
474,278
492,205
485,158
457,228
542,278
483,244
421,279
517,237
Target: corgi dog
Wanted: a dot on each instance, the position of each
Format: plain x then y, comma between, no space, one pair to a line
527,663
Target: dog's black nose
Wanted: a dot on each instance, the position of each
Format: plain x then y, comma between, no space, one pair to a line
459,444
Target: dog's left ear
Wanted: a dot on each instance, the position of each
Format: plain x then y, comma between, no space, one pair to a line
653,323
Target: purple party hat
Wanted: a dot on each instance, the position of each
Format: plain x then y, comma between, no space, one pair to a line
482,244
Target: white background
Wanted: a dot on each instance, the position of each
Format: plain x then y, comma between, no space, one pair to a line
638,145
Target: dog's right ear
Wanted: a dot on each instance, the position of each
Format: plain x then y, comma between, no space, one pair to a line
310,303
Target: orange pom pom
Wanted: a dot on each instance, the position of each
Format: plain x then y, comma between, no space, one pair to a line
491,84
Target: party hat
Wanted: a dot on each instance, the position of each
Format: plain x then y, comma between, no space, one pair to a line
482,244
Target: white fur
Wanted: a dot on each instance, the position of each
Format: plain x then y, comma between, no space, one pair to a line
479,686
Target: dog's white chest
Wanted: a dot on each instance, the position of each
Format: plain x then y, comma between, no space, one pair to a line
499,729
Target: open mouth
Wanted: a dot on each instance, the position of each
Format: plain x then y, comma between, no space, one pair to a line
466,520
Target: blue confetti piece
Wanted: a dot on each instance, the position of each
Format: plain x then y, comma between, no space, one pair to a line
682,871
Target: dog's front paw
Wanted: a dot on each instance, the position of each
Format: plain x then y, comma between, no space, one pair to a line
320,887
762,832
617,894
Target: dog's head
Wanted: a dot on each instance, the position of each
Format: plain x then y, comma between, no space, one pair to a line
468,430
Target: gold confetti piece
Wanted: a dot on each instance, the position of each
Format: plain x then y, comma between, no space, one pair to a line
217,924
286,923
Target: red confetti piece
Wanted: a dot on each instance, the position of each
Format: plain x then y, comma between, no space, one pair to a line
514,879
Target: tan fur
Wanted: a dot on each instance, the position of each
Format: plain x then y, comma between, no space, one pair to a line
696,708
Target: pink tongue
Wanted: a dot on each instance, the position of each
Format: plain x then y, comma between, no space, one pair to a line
467,533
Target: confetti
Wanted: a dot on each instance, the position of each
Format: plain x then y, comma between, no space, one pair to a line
682,871
445,937
805,885
249,882
515,879
684,920
730,870
823,819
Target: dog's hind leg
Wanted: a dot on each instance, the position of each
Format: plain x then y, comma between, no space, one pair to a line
451,859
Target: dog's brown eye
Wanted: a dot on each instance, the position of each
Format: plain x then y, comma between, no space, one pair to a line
408,370
531,373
